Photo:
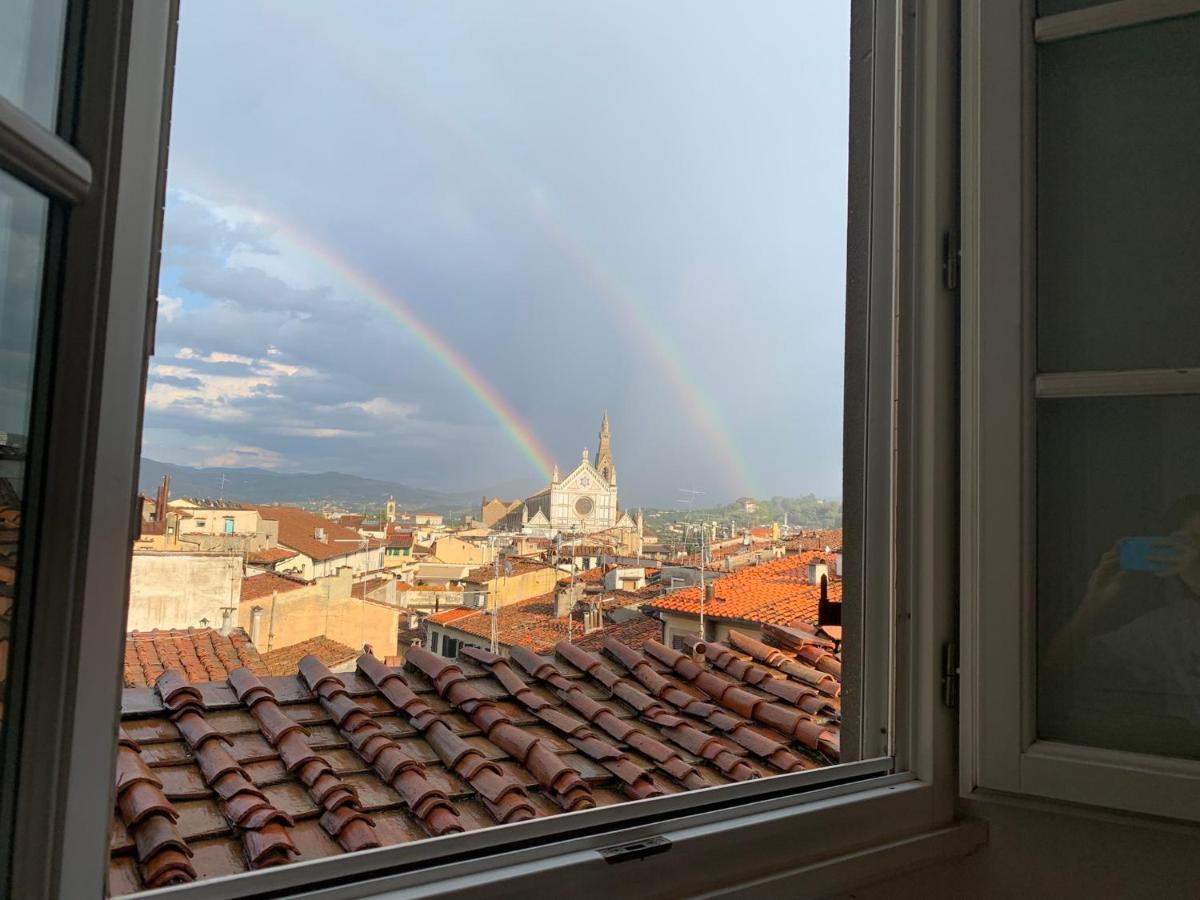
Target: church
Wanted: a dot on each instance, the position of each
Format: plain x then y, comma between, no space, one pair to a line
584,501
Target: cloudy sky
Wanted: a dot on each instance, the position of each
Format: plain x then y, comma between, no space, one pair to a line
433,242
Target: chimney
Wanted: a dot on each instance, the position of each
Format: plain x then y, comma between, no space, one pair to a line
710,593
227,619
255,624
319,534
565,599
817,571
828,612
160,500
837,563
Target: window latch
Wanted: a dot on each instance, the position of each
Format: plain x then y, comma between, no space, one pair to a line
950,675
635,850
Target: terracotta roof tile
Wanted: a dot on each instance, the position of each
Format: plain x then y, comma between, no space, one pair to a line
776,592
447,616
532,623
269,556
258,770
203,654
286,660
298,529
256,587
513,565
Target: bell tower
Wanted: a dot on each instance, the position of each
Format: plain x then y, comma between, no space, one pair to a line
604,460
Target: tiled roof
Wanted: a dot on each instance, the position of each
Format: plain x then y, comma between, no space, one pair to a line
817,539
269,556
402,540
446,616
203,654
775,592
532,624
513,565
285,660
297,530
10,535
255,587
215,779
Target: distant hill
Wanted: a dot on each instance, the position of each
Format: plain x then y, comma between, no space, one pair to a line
251,485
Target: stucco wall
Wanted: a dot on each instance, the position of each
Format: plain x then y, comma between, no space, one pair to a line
511,588
325,608
177,590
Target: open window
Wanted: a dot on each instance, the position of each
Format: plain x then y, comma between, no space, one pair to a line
455,764
1081,600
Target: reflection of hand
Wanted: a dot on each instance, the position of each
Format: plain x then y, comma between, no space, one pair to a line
1104,585
1181,559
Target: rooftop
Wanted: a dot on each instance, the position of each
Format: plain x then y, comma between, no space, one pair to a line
509,567
269,556
256,587
775,592
217,778
531,623
285,660
298,528
203,654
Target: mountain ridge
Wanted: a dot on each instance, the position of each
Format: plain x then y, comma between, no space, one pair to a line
253,484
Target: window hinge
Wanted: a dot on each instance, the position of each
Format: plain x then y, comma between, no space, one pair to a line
951,257
950,674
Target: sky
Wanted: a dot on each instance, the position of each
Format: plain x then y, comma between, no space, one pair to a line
433,242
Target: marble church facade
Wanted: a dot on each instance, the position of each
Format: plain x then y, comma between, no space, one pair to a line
584,501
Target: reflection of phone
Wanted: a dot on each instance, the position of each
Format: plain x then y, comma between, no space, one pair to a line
1136,553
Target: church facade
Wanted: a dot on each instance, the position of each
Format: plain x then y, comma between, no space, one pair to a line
584,501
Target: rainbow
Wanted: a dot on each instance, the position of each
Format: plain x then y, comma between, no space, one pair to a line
517,429
650,334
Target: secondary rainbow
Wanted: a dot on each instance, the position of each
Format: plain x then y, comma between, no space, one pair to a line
657,347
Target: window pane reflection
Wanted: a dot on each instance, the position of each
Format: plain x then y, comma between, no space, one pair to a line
31,40
1119,573
22,245
1118,126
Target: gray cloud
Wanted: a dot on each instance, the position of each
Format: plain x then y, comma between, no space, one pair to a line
568,235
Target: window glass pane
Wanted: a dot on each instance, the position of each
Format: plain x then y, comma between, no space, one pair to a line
31,45
533,295
1118,128
1118,562
23,215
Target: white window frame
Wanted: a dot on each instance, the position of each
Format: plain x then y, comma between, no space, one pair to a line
840,825
1000,751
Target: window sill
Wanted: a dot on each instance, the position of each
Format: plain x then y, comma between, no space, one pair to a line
827,839
815,848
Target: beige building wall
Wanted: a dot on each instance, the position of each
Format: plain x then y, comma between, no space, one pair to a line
328,607
511,588
688,626
212,521
178,589
457,551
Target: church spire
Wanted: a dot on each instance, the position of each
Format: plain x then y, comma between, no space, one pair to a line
604,460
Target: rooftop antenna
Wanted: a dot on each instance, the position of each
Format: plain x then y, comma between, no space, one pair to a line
221,497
